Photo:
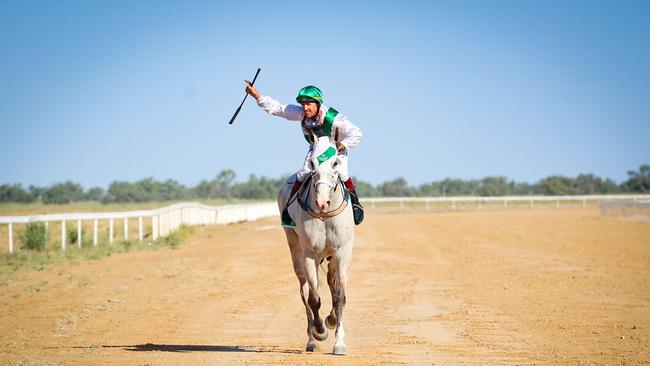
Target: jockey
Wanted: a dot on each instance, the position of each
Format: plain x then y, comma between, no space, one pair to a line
321,121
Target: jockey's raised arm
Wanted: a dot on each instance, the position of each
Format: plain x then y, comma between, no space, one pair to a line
291,112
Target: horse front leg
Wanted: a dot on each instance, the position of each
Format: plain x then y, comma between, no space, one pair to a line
337,278
331,320
304,293
298,261
318,329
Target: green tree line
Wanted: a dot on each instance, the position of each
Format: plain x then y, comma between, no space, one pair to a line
223,186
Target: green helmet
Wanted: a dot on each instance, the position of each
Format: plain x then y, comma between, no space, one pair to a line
310,93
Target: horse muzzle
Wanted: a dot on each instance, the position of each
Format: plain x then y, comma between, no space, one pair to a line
323,206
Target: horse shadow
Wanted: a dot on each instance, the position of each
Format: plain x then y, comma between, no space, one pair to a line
152,347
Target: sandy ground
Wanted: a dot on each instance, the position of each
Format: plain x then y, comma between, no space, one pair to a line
474,288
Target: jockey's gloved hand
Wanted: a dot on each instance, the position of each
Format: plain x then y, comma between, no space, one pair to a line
340,147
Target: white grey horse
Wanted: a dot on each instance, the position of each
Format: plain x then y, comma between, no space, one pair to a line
324,233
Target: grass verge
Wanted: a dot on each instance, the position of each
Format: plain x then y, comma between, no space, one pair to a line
39,260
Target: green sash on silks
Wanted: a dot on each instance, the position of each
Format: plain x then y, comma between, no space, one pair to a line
327,124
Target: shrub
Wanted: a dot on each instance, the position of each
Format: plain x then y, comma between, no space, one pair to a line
34,237
72,236
177,237
127,244
173,240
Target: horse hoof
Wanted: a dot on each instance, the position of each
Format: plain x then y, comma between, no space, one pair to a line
330,322
340,350
312,347
319,336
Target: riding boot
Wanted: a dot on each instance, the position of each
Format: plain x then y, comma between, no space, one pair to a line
287,221
357,209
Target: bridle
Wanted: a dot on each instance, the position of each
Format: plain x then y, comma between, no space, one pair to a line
333,188
333,177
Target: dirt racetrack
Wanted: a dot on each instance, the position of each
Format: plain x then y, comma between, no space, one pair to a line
473,288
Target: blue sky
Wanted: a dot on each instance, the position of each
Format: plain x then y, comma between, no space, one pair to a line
97,91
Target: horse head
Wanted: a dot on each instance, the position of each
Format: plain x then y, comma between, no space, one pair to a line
324,165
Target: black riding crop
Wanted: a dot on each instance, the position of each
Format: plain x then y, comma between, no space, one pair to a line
245,96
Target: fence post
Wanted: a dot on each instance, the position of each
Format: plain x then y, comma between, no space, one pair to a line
95,232
427,205
126,228
401,206
79,233
531,204
557,203
110,230
63,234
584,202
140,228
505,202
11,238
453,205
154,227
161,221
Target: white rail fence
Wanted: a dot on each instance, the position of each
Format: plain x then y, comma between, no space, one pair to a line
477,202
167,219
631,209
163,220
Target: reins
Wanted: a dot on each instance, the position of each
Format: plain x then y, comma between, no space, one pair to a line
321,215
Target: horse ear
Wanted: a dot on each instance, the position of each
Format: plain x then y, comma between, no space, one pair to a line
308,164
312,164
